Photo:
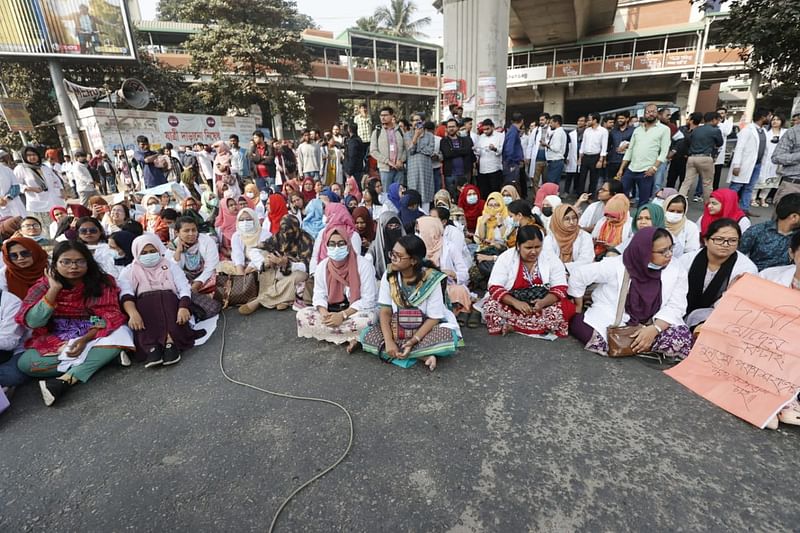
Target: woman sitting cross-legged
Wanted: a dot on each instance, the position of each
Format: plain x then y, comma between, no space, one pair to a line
656,297
345,294
77,323
415,322
156,295
528,290
196,253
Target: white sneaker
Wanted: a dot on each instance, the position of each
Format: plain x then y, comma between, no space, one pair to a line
124,360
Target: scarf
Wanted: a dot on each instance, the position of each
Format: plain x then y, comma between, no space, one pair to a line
616,215
342,274
490,214
730,209
431,232
512,191
251,188
368,233
644,296
431,280
276,209
409,216
393,195
352,186
703,299
471,212
250,239
155,278
290,241
442,198
548,189
656,216
57,209
338,216
124,240
676,228
565,238
226,221
385,240
222,161
312,222
308,195
36,169
332,196
19,280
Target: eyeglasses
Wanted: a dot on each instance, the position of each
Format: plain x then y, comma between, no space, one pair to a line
666,252
394,256
66,263
571,219
24,254
339,244
88,231
720,241
31,226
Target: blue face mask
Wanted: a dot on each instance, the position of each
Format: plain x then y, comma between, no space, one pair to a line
654,266
337,253
150,260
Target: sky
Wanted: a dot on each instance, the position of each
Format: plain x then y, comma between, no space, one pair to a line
338,16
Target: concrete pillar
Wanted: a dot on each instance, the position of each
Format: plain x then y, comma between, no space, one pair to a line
476,51
694,91
752,97
553,98
277,126
682,99
65,106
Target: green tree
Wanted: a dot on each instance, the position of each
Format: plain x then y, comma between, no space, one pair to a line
397,19
369,24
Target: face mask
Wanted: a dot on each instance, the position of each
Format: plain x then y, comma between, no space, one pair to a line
337,253
263,196
547,211
654,266
250,195
153,209
510,222
214,202
472,199
246,226
38,238
507,200
115,254
324,219
673,218
150,260
462,133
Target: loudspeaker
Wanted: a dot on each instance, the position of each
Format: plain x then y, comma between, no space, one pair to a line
134,93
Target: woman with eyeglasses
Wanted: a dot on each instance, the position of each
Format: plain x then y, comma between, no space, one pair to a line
713,268
415,322
655,302
345,294
90,233
78,326
768,178
566,239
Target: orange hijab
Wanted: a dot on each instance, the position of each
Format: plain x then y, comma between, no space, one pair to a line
616,213
564,237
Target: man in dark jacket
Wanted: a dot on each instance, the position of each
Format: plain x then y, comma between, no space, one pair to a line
457,156
261,157
354,154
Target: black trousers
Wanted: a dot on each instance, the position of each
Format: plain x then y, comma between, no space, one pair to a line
677,171
717,175
489,183
588,168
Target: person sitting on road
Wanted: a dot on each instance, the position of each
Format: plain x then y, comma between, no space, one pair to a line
345,294
646,216
528,290
196,253
156,296
415,322
566,239
390,229
11,347
91,233
656,297
246,255
335,215
724,203
613,229
595,211
685,233
121,242
115,218
365,227
225,224
151,221
24,262
78,326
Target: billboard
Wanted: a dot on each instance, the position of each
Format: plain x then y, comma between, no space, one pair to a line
81,29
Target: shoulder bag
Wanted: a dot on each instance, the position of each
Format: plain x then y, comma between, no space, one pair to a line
619,336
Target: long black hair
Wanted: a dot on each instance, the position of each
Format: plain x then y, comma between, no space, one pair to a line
372,192
415,247
95,278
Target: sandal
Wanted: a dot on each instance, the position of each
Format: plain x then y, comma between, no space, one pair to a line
474,320
462,318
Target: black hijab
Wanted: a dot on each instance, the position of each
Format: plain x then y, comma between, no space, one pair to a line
697,298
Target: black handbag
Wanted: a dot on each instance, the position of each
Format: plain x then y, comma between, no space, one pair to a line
530,294
204,306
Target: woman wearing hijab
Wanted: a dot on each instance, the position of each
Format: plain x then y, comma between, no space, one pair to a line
121,242
410,209
307,190
329,197
24,263
509,193
647,216
566,240
351,188
365,227
491,228
56,214
226,225
286,261
656,298
246,255
685,233
393,196
549,205
276,210
335,215
251,195
547,189
151,221
345,294
210,206
313,222
471,203
724,203
222,170
613,229
528,290
390,229
191,208
156,296
41,185
442,198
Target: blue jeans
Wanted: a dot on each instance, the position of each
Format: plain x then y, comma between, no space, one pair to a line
554,170
10,375
643,182
261,183
745,190
313,175
390,176
661,176
437,179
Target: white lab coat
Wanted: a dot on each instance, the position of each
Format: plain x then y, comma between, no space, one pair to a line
368,302
745,154
725,128
452,258
210,253
125,281
572,153
14,207
687,241
768,168
582,248
504,272
355,242
608,274
782,275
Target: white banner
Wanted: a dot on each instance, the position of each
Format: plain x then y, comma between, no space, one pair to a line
80,95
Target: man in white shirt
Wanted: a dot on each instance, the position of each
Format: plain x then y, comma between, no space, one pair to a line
725,127
592,154
555,147
490,159
535,156
79,173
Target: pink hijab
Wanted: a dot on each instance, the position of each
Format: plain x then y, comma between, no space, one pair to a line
355,192
548,189
340,217
154,278
226,222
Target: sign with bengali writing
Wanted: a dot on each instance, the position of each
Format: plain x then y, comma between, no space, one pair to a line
16,115
747,357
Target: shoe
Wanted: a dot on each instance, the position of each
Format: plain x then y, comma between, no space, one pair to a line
282,307
124,360
462,318
171,355
790,414
52,389
298,305
474,320
772,424
154,357
696,199
247,309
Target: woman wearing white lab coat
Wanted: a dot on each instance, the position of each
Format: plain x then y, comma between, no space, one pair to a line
744,161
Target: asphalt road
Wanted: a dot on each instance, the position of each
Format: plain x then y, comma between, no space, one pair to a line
512,434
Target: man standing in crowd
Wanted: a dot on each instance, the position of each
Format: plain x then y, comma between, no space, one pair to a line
746,162
490,160
457,155
703,144
555,149
664,115
387,147
260,158
592,154
153,176
767,244
513,155
240,162
535,157
309,157
575,140
725,126
84,184
354,153
787,153
647,152
618,141
205,160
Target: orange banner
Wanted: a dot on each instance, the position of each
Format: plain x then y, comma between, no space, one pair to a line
747,357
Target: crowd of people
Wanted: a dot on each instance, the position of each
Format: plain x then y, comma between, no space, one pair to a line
395,243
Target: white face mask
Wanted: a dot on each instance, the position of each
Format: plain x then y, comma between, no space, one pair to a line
153,209
507,200
338,253
150,260
654,266
246,226
673,218
511,223
263,196
250,195
472,199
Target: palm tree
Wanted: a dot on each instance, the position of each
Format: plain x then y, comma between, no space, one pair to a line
369,24
396,19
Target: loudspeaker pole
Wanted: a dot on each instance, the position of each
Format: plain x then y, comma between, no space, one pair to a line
119,131
64,105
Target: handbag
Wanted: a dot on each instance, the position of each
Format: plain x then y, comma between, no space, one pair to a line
408,322
204,306
619,337
530,294
236,289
